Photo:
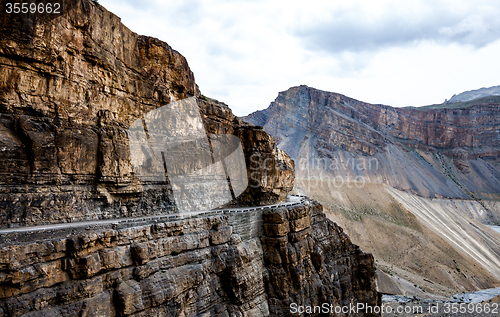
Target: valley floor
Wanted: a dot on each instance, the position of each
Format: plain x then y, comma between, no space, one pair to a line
481,303
428,248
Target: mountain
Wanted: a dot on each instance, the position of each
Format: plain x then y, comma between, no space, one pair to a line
68,96
483,101
475,94
400,179
90,224
436,153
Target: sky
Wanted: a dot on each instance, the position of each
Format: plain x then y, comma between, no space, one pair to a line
397,53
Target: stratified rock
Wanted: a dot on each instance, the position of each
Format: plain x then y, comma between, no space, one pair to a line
271,172
434,152
311,261
188,267
70,87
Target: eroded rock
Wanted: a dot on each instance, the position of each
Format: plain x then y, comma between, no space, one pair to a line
71,86
155,269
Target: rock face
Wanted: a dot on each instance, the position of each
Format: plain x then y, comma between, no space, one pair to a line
271,172
201,266
434,152
414,187
305,268
70,87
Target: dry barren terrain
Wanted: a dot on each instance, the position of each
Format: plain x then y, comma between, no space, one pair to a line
422,246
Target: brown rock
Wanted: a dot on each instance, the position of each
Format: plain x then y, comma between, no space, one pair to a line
140,253
221,235
315,268
129,297
276,229
134,271
70,87
300,224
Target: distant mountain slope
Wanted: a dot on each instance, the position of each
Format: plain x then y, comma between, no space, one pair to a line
368,164
475,94
483,101
433,153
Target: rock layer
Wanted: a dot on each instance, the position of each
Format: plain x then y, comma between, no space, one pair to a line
350,156
190,267
311,261
444,152
71,85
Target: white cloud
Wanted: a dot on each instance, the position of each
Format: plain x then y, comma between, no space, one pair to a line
399,53
399,24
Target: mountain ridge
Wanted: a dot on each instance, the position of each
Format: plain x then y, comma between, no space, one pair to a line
487,100
475,94
461,144
399,179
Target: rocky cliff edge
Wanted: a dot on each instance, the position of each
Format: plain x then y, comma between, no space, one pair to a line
70,87
219,264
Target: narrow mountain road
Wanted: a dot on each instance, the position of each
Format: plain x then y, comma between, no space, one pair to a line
291,200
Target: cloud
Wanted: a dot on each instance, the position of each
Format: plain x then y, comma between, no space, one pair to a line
186,13
359,28
243,53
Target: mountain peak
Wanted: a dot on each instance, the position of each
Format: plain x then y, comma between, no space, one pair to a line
475,94
330,124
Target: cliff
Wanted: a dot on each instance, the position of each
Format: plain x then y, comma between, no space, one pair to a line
70,87
433,152
413,186
216,264
82,234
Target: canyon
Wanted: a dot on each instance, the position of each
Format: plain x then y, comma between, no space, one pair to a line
81,234
414,186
